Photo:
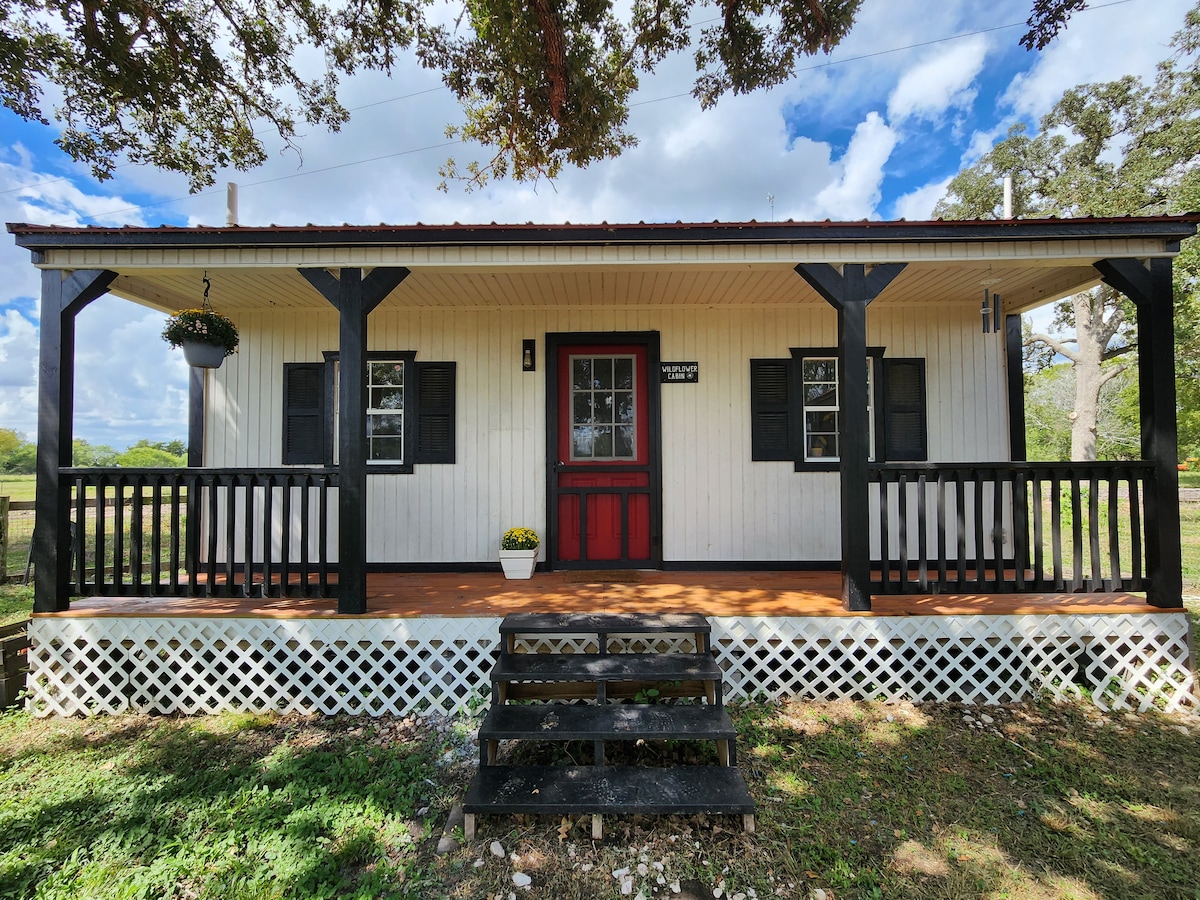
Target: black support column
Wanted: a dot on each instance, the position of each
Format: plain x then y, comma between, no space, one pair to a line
63,296
1150,287
1014,360
354,297
850,292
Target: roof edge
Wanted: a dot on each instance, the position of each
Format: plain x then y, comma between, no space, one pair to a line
46,237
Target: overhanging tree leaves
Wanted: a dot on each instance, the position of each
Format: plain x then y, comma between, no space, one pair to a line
183,84
1118,148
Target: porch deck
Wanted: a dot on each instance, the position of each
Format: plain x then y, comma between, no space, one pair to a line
718,594
427,640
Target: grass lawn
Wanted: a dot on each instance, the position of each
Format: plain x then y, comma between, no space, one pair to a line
1190,479
18,487
859,800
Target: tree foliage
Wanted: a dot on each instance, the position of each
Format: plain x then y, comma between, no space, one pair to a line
180,84
1117,148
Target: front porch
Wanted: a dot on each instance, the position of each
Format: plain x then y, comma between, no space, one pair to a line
427,640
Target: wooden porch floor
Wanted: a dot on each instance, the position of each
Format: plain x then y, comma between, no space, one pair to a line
416,595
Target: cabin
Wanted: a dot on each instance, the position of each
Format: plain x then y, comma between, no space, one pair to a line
810,433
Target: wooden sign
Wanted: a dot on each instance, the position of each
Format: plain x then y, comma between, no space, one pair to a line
679,372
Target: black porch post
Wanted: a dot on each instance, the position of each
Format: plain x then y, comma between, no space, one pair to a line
850,292
1150,288
354,297
63,296
1014,363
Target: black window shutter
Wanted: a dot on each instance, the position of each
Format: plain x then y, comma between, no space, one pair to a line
303,414
769,409
905,436
434,420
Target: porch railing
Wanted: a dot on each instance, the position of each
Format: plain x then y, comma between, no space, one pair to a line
1009,527
202,532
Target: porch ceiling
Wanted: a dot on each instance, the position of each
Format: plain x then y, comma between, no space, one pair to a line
1021,285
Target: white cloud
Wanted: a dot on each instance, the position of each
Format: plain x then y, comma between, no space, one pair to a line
941,82
917,206
1101,44
855,192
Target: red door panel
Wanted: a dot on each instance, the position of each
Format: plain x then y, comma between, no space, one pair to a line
602,473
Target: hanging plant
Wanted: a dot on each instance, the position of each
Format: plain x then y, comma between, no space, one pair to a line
202,333
201,326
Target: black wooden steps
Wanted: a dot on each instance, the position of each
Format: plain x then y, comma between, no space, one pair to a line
575,790
595,667
599,677
621,722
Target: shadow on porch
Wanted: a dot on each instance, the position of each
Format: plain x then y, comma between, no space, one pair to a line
731,593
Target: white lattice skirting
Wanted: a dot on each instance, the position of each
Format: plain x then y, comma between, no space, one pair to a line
374,666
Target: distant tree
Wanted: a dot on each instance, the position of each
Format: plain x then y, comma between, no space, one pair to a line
91,456
188,87
10,442
174,448
141,456
22,460
1119,148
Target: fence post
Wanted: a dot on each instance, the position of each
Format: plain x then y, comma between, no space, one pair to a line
3,540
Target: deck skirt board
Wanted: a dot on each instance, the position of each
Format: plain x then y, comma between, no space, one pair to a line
374,665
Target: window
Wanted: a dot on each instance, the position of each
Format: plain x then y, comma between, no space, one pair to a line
820,397
409,412
385,411
795,408
603,420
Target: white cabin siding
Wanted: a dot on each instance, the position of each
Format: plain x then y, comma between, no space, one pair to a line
718,505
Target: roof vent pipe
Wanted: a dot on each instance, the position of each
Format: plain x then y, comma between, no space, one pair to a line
1008,196
231,203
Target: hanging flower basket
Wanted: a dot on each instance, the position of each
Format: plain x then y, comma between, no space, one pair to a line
206,336
212,336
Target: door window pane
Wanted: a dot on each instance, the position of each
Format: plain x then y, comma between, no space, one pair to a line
603,408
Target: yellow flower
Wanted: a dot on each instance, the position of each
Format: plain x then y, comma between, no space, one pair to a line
519,539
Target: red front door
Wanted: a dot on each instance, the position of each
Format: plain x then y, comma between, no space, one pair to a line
602,481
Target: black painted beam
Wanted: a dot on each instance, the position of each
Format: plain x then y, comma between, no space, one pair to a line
63,296
850,292
1014,362
354,297
1150,287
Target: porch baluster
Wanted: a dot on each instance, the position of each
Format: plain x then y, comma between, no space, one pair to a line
1076,534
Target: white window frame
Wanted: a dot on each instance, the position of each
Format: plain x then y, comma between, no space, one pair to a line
836,408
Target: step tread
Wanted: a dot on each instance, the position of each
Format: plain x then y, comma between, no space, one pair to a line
594,667
605,623
562,722
564,790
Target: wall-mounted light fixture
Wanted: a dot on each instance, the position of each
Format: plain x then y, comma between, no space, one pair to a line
990,311
529,355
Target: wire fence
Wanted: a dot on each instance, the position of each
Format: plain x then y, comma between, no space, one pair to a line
20,536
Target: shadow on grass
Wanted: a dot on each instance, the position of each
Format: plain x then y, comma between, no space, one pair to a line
222,807
1043,802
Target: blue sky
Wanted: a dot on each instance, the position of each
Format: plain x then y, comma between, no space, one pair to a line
917,91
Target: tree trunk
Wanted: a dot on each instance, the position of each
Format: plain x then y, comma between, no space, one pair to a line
1092,335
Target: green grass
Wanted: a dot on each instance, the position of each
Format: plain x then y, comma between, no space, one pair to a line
18,487
16,602
232,806
861,800
1189,479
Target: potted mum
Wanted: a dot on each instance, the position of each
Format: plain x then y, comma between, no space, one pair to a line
518,552
206,336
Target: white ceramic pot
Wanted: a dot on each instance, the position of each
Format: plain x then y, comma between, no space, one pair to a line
518,564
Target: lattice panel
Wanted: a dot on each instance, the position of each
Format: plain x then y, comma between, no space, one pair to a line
1128,661
376,666
362,666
